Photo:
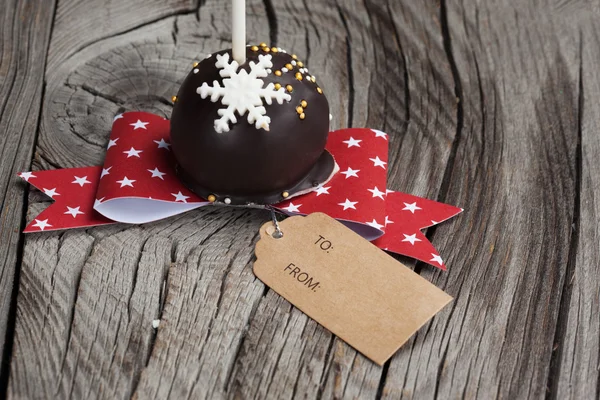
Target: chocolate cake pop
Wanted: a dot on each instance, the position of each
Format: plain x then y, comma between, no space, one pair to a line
253,133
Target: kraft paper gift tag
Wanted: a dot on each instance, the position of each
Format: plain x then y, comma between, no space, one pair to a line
345,283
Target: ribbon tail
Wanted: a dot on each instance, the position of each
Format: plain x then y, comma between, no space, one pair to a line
406,216
73,191
416,246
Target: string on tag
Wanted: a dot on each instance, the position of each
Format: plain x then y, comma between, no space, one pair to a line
278,234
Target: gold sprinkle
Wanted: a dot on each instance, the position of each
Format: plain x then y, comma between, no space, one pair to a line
320,90
195,64
278,73
300,64
174,99
285,195
289,66
289,88
312,78
299,110
274,50
263,44
298,76
304,103
295,57
254,48
211,198
302,116
266,49
277,86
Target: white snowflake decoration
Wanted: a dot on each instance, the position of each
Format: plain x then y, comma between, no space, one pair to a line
243,92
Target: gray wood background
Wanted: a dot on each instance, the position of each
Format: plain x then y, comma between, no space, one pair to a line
490,105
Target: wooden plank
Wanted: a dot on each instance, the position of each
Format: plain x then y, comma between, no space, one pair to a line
26,27
578,338
88,298
514,171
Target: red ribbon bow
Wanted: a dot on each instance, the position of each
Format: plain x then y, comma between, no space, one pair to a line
137,184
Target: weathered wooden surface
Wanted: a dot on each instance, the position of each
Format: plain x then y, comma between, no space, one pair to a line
492,106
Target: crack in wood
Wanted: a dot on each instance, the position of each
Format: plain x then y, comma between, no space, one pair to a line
272,18
407,102
567,289
326,368
349,66
447,41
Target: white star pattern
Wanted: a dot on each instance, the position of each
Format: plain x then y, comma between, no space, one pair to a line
375,225
74,211
27,175
117,117
41,224
322,190
348,204
358,185
412,207
133,153
243,92
162,144
126,182
411,238
180,197
351,172
380,134
105,171
139,125
436,258
156,173
377,162
81,181
111,143
293,208
377,193
352,142
51,192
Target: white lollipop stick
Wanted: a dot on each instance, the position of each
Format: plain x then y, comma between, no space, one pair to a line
238,30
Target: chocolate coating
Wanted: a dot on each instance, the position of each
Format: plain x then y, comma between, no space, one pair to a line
246,164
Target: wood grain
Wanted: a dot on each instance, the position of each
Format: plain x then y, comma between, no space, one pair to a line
514,170
81,23
490,106
25,27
